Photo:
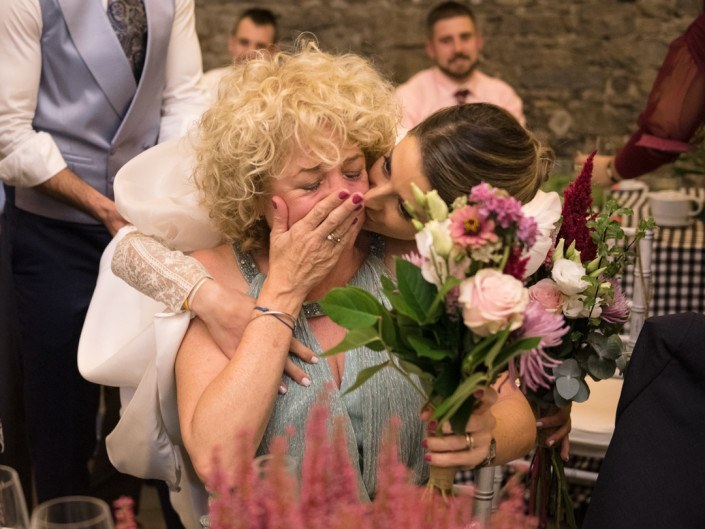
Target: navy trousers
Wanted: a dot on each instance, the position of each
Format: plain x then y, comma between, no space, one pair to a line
54,266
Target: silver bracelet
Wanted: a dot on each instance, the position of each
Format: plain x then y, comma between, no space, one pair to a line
278,314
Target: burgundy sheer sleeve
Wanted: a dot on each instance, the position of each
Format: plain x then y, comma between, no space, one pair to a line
675,109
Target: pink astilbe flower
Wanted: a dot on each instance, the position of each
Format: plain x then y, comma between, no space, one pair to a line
124,511
328,493
470,229
616,310
577,202
510,512
535,365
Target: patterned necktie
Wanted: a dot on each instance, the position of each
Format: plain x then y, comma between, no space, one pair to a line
129,21
461,95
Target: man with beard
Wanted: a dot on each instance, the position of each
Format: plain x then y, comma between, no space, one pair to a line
454,45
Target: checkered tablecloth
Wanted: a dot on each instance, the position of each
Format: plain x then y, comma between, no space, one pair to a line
678,264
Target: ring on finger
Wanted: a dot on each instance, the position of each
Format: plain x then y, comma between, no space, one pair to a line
333,237
469,441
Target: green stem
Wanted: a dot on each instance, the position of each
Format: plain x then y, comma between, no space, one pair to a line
406,376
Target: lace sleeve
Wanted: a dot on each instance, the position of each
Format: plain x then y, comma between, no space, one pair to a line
150,267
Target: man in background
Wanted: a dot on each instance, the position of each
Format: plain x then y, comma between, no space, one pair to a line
255,29
453,43
86,87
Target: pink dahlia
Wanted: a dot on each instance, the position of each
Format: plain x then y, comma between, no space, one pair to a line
535,365
616,310
470,229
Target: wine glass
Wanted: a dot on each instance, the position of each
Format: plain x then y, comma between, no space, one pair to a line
13,509
72,512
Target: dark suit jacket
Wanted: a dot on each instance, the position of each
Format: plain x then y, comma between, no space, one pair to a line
654,472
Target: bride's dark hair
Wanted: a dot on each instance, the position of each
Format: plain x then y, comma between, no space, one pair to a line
464,145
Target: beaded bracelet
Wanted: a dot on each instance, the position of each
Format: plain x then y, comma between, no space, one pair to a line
279,315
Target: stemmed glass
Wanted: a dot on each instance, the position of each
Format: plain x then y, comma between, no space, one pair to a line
72,512
13,509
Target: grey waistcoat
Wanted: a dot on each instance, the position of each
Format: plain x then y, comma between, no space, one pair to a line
88,99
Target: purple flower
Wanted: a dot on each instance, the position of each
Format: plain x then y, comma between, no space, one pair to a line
528,230
535,366
617,309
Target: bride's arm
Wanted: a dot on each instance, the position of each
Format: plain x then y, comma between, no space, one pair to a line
181,282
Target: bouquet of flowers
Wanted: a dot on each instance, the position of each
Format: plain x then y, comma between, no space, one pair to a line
579,282
459,310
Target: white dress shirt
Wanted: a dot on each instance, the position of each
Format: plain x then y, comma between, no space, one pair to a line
29,157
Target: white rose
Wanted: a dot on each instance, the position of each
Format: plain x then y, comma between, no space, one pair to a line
492,302
568,275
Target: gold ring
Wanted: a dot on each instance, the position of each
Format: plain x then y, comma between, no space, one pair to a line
332,237
469,441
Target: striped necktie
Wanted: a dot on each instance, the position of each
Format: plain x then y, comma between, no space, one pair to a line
129,21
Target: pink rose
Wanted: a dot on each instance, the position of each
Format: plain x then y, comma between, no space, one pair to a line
492,301
547,293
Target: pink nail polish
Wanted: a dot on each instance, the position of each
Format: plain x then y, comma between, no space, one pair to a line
358,208
424,443
355,221
357,198
343,195
479,393
427,457
432,426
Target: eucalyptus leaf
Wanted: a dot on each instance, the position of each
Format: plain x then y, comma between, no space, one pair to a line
583,392
560,401
352,307
614,346
364,375
601,368
567,387
567,368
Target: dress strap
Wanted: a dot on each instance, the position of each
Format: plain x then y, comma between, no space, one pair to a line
246,263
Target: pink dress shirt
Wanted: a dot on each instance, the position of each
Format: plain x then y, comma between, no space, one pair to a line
431,90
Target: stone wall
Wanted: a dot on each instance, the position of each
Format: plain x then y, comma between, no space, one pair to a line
582,67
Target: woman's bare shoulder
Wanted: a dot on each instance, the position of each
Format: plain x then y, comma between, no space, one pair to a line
220,263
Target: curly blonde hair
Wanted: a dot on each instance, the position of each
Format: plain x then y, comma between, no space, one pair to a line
275,106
